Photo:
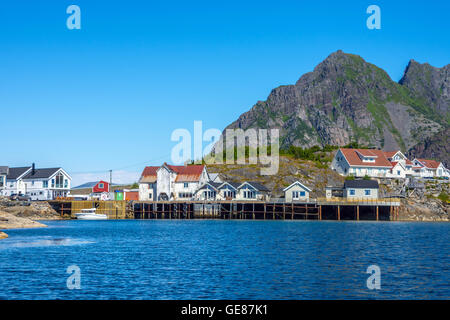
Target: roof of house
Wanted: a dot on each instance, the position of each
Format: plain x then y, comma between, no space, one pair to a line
235,185
431,164
390,154
215,185
355,160
213,176
297,183
149,174
4,170
41,173
258,186
360,184
91,185
15,173
190,173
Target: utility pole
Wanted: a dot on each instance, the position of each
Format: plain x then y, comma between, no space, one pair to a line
110,185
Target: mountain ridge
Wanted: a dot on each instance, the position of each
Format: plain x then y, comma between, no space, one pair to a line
346,99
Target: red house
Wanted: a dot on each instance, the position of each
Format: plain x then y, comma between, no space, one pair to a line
101,186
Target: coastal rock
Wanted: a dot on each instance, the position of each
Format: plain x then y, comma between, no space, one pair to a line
9,221
3,235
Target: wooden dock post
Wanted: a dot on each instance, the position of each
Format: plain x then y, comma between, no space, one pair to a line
273,214
306,211
143,211
377,214
292,211
357,213
320,212
265,211
253,212
339,212
284,211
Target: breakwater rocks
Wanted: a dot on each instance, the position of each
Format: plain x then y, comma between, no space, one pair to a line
3,235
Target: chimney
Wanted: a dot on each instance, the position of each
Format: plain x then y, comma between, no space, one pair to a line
33,169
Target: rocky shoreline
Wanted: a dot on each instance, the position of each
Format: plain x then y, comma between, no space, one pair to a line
16,215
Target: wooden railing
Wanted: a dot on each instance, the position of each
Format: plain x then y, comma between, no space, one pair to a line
393,201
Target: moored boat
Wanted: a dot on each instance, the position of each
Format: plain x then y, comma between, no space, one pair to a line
90,214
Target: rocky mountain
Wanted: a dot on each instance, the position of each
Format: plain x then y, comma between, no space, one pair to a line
434,147
346,99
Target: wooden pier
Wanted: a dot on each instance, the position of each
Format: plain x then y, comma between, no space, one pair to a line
319,209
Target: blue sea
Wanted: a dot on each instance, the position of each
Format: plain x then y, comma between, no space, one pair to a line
215,259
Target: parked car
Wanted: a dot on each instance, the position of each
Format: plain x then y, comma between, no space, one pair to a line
20,197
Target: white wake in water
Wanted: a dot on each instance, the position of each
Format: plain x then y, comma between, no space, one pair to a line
27,243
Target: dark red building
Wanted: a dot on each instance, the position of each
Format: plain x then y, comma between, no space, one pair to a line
101,186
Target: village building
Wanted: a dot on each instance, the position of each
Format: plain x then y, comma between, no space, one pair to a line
361,189
361,162
39,184
93,190
296,192
429,168
169,182
3,174
384,164
209,191
250,190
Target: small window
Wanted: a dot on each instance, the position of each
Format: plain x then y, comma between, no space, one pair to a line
150,195
45,184
302,193
101,185
367,192
398,172
352,192
186,184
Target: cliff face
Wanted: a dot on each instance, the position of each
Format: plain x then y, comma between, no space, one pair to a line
347,99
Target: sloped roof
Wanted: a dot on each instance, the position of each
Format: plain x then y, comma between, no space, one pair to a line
354,160
297,183
189,173
4,170
14,173
235,185
215,185
41,173
90,185
149,174
360,184
431,164
390,154
258,186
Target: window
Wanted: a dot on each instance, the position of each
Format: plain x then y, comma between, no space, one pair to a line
294,194
150,195
101,185
186,185
53,183
352,192
398,172
45,184
1,181
66,183
302,193
367,192
59,180
32,182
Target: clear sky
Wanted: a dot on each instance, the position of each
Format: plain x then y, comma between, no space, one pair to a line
108,96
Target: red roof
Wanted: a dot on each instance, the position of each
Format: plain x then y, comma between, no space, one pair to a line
390,154
149,174
409,162
354,159
189,173
431,164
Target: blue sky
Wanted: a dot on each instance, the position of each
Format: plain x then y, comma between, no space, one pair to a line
108,96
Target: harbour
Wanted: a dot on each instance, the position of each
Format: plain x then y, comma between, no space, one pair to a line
317,209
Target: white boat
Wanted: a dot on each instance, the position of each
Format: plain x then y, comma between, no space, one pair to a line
89,214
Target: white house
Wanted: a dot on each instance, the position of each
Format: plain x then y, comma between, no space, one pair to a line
39,184
429,168
361,189
3,174
361,162
296,192
250,190
169,182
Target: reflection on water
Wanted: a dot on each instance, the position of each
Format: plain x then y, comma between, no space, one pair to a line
29,242
133,259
